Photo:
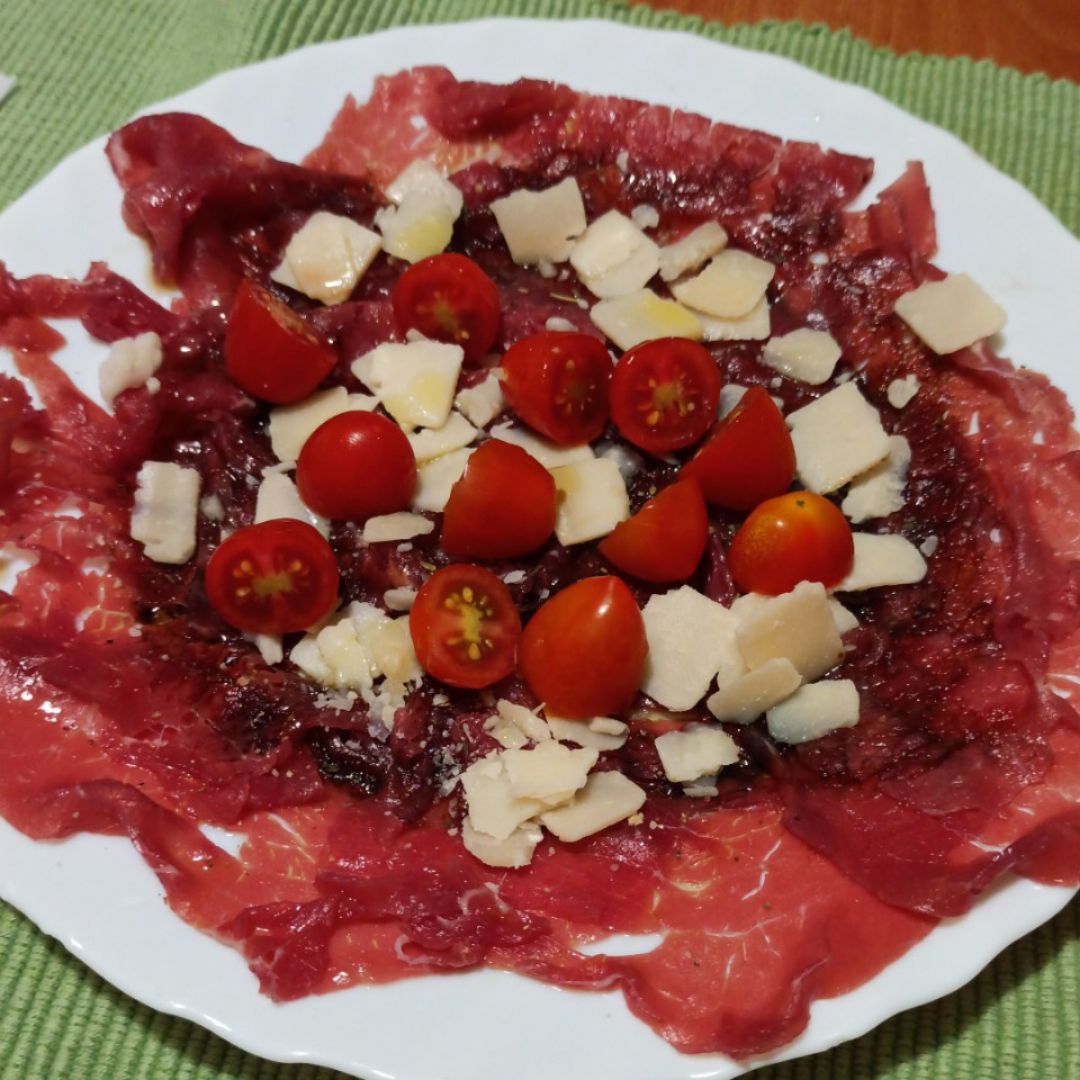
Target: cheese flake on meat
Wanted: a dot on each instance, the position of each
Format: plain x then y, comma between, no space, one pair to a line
692,250
644,316
541,225
326,257
166,511
807,355
291,426
879,491
607,798
435,479
729,287
549,454
399,526
415,382
755,325
480,404
421,223
901,391
592,500
880,560
278,497
744,698
614,257
951,314
550,773
431,443
131,362
494,809
589,733
813,711
512,852
696,751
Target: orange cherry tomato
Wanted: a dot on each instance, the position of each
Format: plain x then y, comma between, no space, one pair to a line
583,652
503,505
796,537
465,627
273,578
665,539
749,456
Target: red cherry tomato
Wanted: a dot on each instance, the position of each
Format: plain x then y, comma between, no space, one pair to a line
795,537
465,627
503,505
273,578
558,384
449,298
749,456
270,352
356,465
583,652
664,394
665,539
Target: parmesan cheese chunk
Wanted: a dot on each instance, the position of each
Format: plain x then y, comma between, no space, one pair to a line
807,355
480,404
901,391
130,363
550,773
292,425
798,626
435,478
732,284
745,698
528,723
505,732
692,250
421,223
813,711
696,751
730,396
592,500
883,560
166,511
644,316
431,443
843,618
950,314
755,325
278,497
269,646
614,257
541,224
836,438
583,733
326,257
879,491
415,382
399,526
400,598
607,798
424,178
511,853
549,454
691,638
494,809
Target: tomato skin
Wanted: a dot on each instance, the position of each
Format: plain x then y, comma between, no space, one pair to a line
463,608
583,652
503,505
795,537
449,298
273,578
270,352
558,382
665,539
664,394
356,465
748,458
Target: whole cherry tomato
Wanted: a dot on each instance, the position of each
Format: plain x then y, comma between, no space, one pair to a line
356,465
664,394
795,537
503,505
449,298
558,383
749,456
583,652
465,627
273,578
270,352
665,539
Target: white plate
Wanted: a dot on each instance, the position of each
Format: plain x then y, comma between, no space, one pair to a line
487,1025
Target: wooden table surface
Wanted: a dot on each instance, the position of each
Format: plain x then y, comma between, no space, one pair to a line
1032,35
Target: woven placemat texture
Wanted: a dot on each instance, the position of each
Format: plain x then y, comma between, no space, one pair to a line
84,67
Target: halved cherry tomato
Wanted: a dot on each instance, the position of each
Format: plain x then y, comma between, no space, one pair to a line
796,537
270,352
449,298
465,627
558,383
749,456
583,652
273,578
665,539
356,465
503,505
664,394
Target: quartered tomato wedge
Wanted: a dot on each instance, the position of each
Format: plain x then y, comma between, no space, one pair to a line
665,539
270,352
796,537
558,382
503,505
583,652
664,394
465,627
449,298
749,456
273,578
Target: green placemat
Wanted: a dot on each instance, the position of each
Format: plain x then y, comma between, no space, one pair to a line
85,65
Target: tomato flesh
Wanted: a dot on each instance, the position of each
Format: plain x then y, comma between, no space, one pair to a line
273,578
795,537
465,627
664,394
748,458
449,298
583,652
270,352
665,539
558,383
356,465
503,505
